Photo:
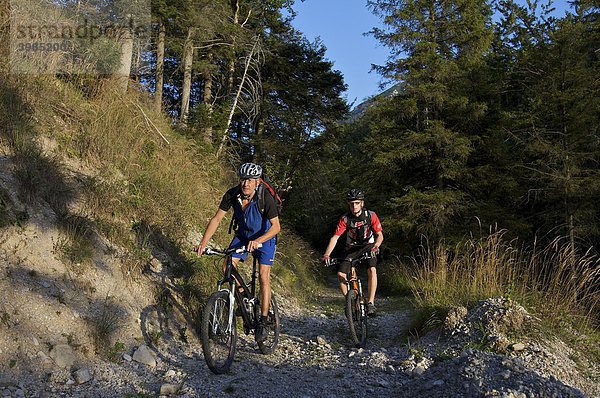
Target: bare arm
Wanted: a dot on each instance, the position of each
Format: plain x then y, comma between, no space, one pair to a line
331,245
379,239
210,231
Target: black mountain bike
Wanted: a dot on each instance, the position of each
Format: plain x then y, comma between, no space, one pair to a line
219,325
356,302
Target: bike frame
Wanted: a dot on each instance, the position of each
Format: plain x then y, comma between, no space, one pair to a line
232,276
352,279
353,282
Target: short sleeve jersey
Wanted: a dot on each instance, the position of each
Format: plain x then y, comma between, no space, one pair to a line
360,232
251,223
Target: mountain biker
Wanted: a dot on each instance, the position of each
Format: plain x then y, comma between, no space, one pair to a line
364,234
254,230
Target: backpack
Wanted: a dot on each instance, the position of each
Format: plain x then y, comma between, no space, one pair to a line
366,218
264,188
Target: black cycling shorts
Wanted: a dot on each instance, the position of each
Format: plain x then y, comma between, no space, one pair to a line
356,251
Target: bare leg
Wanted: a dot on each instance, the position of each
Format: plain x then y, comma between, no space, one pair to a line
235,261
264,276
372,284
342,281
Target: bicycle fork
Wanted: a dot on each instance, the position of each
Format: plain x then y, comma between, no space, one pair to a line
231,305
354,284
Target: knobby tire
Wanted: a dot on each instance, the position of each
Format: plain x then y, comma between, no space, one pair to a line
219,347
357,319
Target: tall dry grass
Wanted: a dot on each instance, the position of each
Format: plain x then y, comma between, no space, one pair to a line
555,282
143,191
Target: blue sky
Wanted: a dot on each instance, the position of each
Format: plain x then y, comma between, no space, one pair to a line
340,24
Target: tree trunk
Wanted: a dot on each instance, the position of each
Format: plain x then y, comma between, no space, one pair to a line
235,5
124,69
260,129
160,66
207,135
188,57
569,219
237,97
4,34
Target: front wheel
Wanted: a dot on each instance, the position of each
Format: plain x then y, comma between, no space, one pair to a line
356,312
218,336
268,346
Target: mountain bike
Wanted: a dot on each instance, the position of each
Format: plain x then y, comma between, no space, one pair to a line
219,324
356,301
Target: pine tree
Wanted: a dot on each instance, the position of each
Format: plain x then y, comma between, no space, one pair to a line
424,136
558,123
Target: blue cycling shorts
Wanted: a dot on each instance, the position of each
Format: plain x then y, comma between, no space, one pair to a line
264,254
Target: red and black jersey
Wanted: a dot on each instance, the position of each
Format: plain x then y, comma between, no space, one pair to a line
361,229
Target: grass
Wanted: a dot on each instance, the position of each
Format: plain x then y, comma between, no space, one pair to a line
143,194
107,323
555,283
77,245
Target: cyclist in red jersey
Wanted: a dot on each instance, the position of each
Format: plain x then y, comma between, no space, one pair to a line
364,233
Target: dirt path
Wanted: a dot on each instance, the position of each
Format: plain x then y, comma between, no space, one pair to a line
315,357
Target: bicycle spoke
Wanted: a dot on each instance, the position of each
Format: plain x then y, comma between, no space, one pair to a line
218,337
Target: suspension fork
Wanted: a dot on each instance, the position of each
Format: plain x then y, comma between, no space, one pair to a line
231,293
353,283
352,280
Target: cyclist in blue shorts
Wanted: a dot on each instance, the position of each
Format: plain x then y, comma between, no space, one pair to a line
257,222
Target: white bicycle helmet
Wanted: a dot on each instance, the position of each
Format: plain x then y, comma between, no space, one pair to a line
249,170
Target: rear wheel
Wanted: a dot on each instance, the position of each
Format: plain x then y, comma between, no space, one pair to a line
218,343
356,312
270,343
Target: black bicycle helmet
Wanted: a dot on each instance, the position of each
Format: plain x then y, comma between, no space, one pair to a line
355,194
249,170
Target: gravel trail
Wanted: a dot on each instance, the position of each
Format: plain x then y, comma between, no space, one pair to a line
315,358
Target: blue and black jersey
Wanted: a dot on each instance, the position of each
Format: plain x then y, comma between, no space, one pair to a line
251,224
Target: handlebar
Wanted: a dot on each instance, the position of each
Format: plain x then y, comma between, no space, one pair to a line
212,251
364,256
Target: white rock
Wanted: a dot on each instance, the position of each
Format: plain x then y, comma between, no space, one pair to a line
170,373
418,371
321,340
169,389
63,356
144,356
82,376
127,357
517,346
45,358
